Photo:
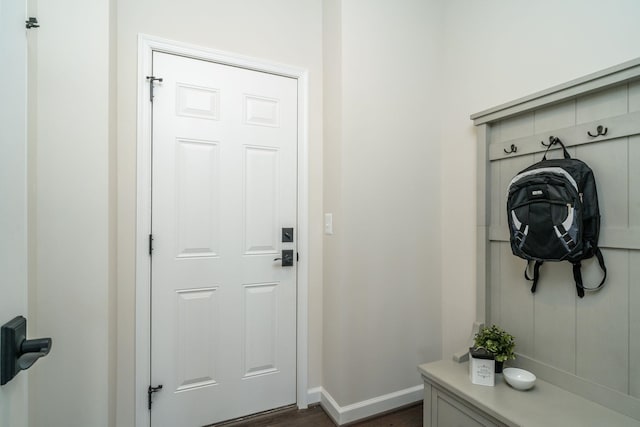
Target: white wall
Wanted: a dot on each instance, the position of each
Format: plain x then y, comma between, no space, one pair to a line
382,183
69,299
497,51
284,31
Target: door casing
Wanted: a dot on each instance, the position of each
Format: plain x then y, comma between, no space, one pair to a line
146,46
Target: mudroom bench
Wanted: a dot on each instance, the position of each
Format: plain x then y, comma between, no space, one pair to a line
585,352
450,399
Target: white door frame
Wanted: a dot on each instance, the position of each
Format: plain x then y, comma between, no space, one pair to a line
146,46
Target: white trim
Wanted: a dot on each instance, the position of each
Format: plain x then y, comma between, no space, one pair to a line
314,395
368,408
303,238
331,407
146,45
143,228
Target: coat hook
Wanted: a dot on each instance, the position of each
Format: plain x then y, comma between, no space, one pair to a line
546,145
600,131
513,149
552,140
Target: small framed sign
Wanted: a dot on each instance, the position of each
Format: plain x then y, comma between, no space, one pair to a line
482,368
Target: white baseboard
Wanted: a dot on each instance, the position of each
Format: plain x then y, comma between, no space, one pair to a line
367,408
314,395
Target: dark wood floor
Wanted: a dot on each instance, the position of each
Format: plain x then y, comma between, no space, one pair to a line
316,417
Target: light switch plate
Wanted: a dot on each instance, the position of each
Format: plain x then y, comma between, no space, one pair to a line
328,223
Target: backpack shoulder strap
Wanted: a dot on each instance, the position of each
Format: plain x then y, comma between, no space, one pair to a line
577,275
536,274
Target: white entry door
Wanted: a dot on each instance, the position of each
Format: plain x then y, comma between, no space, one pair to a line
13,192
223,308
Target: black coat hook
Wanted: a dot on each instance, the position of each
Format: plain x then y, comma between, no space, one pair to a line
600,131
513,149
552,140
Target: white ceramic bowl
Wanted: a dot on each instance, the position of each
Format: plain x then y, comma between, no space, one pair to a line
519,378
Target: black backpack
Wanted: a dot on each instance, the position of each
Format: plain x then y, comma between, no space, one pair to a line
553,215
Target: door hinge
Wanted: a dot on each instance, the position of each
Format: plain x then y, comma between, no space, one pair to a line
32,23
150,392
150,243
152,79
297,257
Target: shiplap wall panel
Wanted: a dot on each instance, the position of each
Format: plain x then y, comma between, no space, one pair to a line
494,286
608,160
516,308
495,195
634,96
607,103
555,317
603,326
595,338
634,324
634,181
555,117
515,127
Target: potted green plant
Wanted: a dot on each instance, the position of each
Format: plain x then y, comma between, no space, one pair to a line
498,342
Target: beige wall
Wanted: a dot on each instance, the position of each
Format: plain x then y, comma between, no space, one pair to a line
70,228
396,166
497,51
382,183
284,31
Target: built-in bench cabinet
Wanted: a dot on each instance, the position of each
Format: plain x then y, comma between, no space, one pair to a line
451,400
588,347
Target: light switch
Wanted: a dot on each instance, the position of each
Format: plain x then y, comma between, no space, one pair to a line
328,223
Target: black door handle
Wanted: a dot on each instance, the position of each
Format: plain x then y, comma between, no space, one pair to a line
19,353
287,258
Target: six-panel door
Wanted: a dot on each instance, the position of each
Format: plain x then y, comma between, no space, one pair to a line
224,186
